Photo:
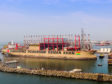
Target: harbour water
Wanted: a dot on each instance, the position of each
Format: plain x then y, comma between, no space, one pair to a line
7,78
64,65
85,65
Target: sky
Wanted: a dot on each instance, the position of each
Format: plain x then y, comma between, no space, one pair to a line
42,17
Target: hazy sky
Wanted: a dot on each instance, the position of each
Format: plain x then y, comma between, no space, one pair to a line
30,17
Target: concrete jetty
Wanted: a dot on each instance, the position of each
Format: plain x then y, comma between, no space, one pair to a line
63,74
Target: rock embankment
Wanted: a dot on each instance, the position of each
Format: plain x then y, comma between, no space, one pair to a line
54,73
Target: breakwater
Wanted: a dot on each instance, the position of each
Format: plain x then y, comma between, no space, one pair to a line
54,73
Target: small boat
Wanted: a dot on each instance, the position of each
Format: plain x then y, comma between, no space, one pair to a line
101,56
19,67
99,64
75,70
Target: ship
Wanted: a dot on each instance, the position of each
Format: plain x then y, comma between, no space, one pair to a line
101,56
105,43
53,47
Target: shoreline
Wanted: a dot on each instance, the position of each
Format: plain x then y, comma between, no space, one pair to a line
54,73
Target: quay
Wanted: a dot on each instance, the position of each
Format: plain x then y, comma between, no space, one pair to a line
62,74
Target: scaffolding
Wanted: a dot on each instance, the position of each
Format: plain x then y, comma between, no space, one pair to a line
54,42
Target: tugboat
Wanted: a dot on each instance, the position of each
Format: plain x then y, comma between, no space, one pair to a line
101,56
